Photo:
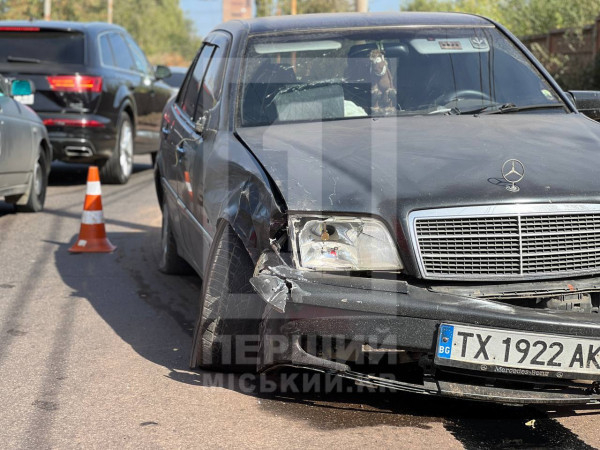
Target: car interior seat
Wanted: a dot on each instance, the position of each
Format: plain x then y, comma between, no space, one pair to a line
258,107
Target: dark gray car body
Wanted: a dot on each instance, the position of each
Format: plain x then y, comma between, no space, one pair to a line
22,135
255,177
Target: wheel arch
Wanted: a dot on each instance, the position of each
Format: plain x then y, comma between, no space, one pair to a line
160,194
129,109
47,149
125,103
251,209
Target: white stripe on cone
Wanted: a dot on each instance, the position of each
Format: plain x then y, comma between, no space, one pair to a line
92,217
93,188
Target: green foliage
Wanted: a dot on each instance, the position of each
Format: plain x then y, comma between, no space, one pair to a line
522,17
158,26
264,7
270,7
525,17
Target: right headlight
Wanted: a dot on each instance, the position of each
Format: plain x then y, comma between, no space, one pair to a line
343,243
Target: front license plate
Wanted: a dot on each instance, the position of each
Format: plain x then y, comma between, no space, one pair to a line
518,353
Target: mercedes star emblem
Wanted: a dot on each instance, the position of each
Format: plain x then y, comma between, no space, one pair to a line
513,171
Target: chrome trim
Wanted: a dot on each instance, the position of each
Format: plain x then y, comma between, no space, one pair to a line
501,211
74,150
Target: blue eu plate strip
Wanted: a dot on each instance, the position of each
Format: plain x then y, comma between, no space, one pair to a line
445,342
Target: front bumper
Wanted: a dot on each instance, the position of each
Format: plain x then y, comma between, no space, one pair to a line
311,315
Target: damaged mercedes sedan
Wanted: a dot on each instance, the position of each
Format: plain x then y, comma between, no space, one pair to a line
409,201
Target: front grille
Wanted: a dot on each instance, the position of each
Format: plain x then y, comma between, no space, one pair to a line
508,246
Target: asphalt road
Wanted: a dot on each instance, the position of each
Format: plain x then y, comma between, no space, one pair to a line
94,352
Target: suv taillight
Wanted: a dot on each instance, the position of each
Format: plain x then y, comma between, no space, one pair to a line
75,83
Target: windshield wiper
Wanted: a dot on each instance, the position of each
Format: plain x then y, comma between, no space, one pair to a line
512,108
477,110
23,60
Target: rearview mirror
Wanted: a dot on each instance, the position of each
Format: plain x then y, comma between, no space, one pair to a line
588,103
21,88
162,72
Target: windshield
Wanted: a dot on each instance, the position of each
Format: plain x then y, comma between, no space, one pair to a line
413,71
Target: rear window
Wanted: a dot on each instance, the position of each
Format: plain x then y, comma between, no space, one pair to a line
42,46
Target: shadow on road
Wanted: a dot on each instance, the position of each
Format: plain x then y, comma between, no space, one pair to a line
152,312
69,174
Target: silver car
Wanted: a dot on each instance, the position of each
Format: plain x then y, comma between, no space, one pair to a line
25,150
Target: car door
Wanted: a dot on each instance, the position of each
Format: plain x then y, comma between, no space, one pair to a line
153,94
140,88
178,131
17,154
196,227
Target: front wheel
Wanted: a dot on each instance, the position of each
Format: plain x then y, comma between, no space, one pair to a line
36,195
119,166
227,331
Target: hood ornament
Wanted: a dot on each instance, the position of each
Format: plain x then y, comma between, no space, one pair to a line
513,171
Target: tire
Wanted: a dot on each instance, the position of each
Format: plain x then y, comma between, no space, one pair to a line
117,169
36,195
170,262
230,310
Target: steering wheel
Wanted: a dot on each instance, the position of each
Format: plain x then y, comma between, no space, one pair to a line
464,93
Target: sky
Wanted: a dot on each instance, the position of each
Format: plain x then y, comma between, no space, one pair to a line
206,14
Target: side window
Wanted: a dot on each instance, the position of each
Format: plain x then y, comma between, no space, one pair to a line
106,52
186,81
213,80
141,62
121,52
189,100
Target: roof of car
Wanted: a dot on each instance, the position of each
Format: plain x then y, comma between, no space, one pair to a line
60,25
353,20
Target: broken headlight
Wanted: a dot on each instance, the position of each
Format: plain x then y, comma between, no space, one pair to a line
343,243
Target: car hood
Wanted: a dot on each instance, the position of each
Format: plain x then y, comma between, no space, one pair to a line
390,166
407,163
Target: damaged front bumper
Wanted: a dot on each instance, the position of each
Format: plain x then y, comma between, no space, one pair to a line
349,326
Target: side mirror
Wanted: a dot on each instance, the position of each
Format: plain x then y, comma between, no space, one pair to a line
21,88
587,102
162,72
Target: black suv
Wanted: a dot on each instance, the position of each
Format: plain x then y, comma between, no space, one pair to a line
95,90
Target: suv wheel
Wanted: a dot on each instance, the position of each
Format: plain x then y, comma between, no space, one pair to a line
119,166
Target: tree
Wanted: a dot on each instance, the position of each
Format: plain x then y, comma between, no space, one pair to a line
530,17
522,17
265,8
270,7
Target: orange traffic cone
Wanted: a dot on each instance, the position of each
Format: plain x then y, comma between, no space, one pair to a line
92,235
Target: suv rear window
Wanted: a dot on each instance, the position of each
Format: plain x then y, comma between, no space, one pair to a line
42,46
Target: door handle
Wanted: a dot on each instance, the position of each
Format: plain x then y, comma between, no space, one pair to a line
179,153
165,131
